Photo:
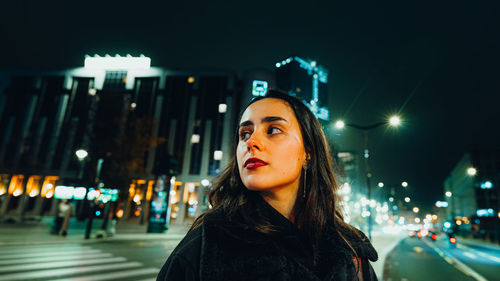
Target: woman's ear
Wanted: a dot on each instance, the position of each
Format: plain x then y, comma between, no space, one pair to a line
307,158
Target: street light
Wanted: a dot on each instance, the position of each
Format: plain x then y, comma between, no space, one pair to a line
404,184
81,154
380,184
339,124
448,194
471,171
407,199
394,121
416,210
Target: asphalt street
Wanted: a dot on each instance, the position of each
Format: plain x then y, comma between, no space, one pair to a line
416,259
107,260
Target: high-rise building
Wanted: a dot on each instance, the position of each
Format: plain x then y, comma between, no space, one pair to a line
307,80
130,119
473,195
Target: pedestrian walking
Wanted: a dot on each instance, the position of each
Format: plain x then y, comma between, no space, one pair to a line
63,216
275,210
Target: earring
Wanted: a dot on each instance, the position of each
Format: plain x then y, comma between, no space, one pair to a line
305,181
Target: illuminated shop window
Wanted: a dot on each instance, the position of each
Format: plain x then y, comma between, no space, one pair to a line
16,185
48,186
4,181
149,192
136,196
174,199
33,186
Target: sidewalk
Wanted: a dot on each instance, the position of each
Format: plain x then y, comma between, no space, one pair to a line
34,232
384,243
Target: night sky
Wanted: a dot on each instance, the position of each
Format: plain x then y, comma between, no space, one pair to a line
436,64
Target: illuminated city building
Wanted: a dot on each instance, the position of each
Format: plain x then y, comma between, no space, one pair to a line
103,109
71,132
307,80
472,194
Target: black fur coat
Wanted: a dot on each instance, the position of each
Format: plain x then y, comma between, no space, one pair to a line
222,250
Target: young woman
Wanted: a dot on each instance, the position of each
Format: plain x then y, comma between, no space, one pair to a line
275,211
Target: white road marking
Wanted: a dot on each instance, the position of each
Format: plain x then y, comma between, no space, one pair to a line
65,271
470,255
22,250
114,275
457,264
418,249
488,256
54,258
55,253
10,268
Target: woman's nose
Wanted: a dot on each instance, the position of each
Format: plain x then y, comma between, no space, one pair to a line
254,143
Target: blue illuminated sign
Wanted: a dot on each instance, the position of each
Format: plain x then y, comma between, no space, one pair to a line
259,88
487,185
484,212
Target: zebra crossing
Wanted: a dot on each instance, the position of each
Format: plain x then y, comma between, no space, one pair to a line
75,262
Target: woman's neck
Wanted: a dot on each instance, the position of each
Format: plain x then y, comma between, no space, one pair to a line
282,201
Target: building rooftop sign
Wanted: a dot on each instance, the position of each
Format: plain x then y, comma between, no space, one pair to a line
117,62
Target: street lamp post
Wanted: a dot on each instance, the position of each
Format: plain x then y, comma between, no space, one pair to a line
393,121
81,154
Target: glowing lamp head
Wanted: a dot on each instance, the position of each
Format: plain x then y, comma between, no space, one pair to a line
339,124
471,171
395,121
81,154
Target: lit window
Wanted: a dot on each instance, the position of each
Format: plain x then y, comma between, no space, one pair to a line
195,138
222,108
16,185
33,186
218,155
48,186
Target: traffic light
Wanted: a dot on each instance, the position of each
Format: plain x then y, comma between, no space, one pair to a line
98,210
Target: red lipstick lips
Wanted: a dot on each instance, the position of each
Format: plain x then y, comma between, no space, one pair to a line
254,163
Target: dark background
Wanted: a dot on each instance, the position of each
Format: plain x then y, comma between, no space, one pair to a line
434,63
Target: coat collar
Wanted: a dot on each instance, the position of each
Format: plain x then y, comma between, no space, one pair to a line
231,251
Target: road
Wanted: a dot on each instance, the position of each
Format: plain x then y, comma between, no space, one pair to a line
416,259
29,252
106,260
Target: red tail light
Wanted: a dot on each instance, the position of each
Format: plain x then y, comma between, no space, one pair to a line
453,240
433,236
419,235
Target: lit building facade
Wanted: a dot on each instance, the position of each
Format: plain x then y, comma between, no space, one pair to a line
472,194
104,108
307,80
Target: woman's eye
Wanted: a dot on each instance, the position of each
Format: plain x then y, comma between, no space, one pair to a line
244,135
273,130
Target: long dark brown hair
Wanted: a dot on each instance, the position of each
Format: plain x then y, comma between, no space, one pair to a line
314,210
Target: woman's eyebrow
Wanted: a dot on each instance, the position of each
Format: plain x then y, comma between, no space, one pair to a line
266,119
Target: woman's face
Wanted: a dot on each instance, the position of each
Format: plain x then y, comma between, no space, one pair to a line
270,152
